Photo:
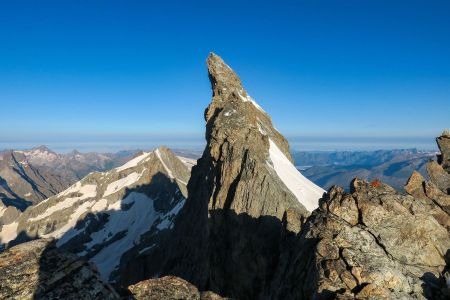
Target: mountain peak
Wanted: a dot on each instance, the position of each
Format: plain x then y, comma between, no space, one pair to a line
43,148
222,77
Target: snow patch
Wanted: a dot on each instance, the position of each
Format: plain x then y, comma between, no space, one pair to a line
131,221
99,205
122,183
250,99
132,163
306,192
147,248
87,191
167,221
261,130
229,113
8,233
188,162
68,231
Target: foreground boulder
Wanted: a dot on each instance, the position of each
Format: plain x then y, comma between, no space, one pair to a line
366,244
169,288
38,270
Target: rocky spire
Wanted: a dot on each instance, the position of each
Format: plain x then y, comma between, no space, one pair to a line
244,195
233,110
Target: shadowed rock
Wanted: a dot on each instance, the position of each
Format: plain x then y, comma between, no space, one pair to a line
37,270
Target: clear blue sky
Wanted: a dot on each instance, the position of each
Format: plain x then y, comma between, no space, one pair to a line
90,71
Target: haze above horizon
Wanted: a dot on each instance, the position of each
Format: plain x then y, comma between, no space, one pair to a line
333,75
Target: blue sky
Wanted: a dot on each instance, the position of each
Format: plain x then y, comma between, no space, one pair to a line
133,72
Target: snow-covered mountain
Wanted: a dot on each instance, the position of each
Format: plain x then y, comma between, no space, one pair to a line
110,217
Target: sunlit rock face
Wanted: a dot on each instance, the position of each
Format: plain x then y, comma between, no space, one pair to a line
374,243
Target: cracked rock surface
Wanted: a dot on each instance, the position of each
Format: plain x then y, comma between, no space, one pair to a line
373,243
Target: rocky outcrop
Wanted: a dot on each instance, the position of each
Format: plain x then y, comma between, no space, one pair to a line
168,288
245,195
38,270
443,143
365,244
373,243
114,219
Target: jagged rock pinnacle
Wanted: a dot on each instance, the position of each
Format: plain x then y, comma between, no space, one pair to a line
243,194
222,77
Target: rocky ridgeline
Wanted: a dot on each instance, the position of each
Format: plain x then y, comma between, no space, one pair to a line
248,225
28,177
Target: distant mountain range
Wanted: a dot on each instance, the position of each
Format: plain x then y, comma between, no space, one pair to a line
338,168
30,176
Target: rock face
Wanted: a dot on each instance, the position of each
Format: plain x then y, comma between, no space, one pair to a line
365,244
37,270
111,218
373,243
245,194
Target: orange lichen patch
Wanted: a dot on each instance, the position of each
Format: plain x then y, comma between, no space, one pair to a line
375,183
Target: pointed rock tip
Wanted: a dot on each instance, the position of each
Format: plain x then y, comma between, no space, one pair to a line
220,73
213,56
164,150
